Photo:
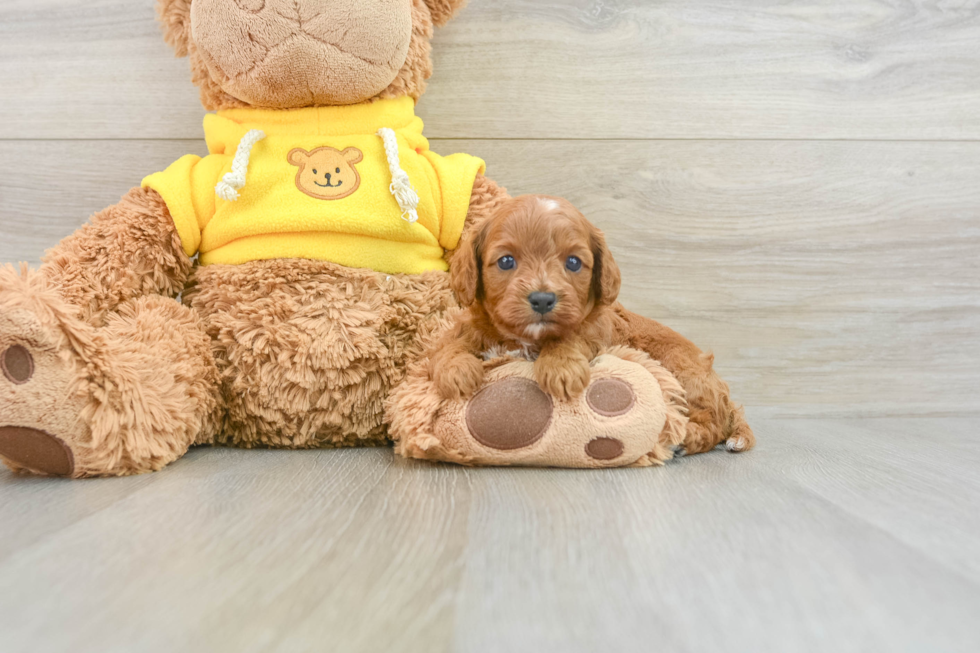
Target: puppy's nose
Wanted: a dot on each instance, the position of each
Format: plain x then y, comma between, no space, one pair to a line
542,302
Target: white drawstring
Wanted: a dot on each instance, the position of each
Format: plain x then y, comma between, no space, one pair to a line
234,181
401,185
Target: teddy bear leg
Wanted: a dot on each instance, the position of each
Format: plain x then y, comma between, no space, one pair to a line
307,350
77,400
631,414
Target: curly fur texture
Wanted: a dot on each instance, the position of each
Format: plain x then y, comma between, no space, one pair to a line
288,353
444,10
714,418
175,21
129,397
124,252
308,350
540,234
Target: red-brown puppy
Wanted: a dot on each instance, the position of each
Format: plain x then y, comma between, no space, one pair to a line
538,278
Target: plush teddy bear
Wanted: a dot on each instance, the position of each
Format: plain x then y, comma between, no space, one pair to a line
309,250
319,222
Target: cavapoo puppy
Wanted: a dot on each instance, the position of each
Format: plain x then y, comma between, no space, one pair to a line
538,280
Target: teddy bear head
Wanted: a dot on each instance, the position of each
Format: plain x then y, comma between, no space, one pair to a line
288,54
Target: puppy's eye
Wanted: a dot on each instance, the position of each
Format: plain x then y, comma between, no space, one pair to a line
506,263
573,264
338,171
314,170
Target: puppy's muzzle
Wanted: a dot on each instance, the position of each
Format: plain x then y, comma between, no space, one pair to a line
542,302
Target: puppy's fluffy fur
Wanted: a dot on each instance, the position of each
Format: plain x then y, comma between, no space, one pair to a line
556,250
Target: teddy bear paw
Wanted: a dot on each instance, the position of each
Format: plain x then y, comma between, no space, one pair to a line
514,414
38,408
620,420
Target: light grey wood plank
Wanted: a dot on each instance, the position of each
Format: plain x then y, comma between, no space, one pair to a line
37,209
241,547
96,69
938,495
719,553
61,506
358,551
829,278
556,69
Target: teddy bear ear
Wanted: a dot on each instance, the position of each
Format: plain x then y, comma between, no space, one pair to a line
444,10
175,17
352,155
298,156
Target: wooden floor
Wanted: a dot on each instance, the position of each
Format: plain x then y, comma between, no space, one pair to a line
795,184
835,535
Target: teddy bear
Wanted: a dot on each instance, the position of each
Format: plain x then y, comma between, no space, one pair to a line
274,292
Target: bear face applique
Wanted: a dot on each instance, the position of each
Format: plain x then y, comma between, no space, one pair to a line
327,173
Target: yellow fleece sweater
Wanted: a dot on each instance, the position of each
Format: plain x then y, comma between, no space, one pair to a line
318,186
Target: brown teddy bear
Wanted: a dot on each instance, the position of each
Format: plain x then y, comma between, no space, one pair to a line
309,250
298,313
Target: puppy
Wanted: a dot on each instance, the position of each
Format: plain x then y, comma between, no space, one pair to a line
538,278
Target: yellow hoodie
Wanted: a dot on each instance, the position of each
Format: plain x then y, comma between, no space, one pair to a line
318,184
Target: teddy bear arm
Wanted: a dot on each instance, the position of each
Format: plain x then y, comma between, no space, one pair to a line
125,251
486,197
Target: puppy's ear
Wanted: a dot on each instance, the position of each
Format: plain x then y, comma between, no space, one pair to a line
175,18
443,10
606,278
466,267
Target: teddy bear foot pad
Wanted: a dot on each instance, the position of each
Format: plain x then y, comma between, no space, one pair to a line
623,418
26,447
35,450
39,412
515,413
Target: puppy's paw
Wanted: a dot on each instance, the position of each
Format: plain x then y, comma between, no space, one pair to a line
738,444
742,438
564,378
458,377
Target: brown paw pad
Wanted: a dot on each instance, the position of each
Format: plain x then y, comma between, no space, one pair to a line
510,414
611,397
17,364
604,449
36,450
